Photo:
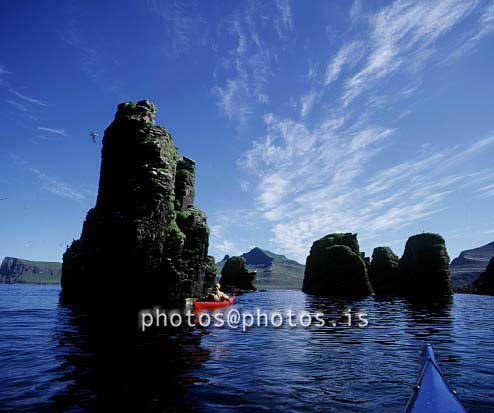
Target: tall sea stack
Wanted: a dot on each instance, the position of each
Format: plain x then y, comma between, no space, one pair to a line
424,267
144,242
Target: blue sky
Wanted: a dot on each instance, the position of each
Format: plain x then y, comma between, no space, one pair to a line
304,118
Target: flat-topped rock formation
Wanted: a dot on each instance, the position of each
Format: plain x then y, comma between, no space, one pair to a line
144,242
18,270
335,267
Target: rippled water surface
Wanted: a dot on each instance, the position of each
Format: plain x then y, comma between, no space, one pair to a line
52,359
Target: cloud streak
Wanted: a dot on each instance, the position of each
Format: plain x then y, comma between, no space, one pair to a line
347,56
183,23
3,70
246,68
60,132
401,35
28,99
60,188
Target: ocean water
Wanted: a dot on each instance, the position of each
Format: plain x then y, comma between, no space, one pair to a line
52,359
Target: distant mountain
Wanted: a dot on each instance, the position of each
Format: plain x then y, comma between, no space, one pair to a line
470,264
274,271
18,270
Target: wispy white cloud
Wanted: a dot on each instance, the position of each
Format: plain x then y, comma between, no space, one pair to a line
307,102
233,231
3,70
52,130
401,35
355,11
246,67
233,100
484,28
183,23
487,191
94,61
60,188
28,98
348,56
17,105
54,185
286,16
225,247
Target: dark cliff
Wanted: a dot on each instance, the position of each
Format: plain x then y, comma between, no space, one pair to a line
470,264
335,267
17,270
484,284
144,242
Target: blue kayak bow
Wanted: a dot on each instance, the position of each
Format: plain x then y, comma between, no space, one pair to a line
432,394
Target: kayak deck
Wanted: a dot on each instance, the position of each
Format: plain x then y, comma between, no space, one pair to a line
211,305
432,393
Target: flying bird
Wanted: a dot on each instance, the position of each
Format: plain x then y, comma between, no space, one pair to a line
93,136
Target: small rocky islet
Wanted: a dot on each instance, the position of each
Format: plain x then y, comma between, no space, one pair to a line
146,243
273,271
236,276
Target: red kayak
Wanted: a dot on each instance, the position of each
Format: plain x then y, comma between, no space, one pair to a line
211,305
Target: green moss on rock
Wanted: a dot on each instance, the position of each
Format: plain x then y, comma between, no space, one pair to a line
424,267
336,269
136,218
383,272
348,239
235,275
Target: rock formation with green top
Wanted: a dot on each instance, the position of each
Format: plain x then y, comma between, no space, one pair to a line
335,267
235,275
144,242
383,272
424,267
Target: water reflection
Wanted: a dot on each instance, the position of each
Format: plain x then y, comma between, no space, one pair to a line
112,367
53,359
349,352
433,323
430,321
